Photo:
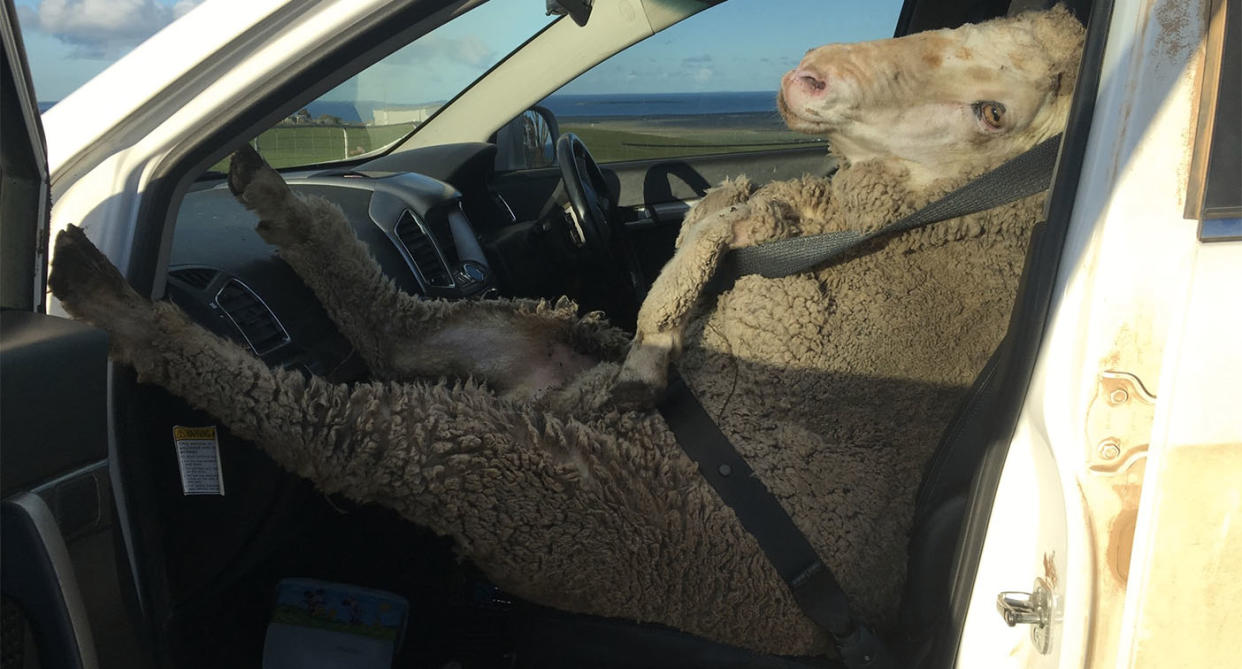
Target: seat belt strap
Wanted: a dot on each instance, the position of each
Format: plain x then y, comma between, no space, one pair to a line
1023,176
812,584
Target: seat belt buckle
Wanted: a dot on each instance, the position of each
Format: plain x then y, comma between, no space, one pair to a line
861,649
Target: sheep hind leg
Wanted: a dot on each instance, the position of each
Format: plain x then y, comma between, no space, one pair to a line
317,241
402,336
516,488
371,441
385,324
91,289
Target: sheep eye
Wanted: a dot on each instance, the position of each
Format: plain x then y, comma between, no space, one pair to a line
991,113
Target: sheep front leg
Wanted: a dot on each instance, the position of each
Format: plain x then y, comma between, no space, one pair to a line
729,193
663,316
704,240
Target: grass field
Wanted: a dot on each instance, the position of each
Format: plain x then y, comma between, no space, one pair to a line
609,139
293,145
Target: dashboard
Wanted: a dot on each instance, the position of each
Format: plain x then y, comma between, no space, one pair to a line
425,234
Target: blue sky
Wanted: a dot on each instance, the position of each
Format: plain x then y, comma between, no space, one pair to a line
742,45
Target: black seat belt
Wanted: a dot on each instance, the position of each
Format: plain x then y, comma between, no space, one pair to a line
814,587
1023,176
812,583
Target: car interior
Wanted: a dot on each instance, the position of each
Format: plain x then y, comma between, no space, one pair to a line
459,221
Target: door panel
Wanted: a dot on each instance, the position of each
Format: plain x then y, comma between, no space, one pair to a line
654,195
651,183
59,570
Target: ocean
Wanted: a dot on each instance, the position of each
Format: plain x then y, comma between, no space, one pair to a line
660,104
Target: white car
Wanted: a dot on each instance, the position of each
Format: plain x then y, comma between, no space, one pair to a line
1094,474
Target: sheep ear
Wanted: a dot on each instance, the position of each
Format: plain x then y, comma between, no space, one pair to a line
1059,33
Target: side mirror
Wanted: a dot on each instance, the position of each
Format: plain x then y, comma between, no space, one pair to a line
528,141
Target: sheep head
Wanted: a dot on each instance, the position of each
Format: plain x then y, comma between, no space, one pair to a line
943,103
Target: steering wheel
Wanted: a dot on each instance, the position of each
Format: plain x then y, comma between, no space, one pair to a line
589,196
594,227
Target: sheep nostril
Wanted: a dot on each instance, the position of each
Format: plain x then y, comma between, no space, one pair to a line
812,82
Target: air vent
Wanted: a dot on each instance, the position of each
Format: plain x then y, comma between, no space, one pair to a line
256,323
194,277
423,252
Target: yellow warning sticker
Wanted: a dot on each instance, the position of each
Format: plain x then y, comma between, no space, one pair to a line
198,456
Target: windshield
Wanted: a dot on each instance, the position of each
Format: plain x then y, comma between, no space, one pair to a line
384,103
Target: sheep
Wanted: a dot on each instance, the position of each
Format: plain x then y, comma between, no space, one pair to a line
834,384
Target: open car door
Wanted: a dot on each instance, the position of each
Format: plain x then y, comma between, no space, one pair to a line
57,505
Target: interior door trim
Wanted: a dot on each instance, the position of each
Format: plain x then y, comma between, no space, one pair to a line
39,576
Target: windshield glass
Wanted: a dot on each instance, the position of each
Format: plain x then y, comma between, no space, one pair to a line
387,101
708,85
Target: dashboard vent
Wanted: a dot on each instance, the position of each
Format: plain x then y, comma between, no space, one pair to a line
423,252
256,323
194,277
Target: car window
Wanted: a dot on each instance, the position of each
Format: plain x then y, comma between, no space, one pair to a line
387,101
708,85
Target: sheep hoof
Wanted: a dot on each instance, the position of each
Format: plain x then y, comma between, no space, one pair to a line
262,190
643,377
256,185
84,280
243,166
634,395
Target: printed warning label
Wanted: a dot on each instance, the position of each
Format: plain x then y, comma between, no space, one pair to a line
198,455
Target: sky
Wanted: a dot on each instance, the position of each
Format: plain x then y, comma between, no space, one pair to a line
741,45
70,41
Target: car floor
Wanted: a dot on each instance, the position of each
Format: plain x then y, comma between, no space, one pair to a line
457,620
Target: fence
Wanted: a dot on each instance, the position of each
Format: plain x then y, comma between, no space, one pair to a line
291,145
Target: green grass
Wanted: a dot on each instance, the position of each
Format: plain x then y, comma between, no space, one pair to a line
608,139
295,145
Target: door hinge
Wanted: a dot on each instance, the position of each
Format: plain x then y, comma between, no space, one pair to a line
1119,422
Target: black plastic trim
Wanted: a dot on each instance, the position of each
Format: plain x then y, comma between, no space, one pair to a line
1222,195
25,196
37,574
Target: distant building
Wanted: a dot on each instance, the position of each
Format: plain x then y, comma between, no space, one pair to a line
405,113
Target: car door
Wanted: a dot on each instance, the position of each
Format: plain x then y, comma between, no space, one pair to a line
57,572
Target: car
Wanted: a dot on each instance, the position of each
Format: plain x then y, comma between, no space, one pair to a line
1090,522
